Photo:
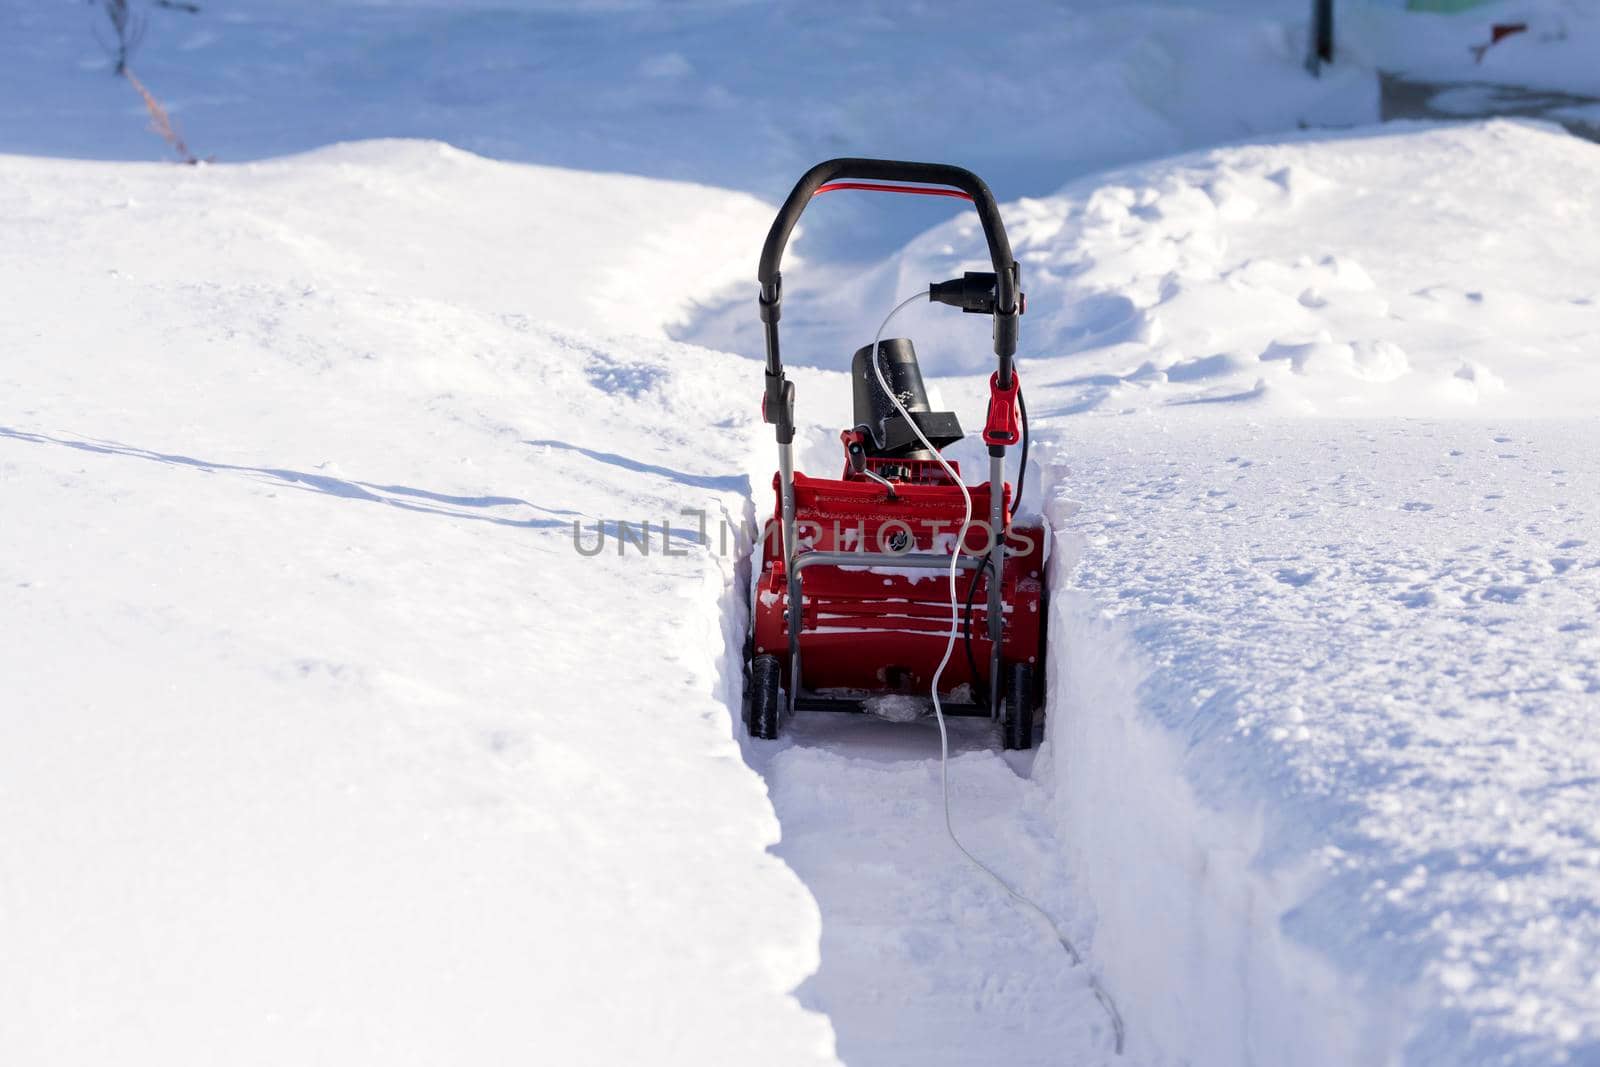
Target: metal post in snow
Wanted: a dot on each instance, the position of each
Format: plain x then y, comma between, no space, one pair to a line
1321,35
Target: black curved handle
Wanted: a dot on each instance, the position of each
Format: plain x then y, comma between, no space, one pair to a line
994,230
779,404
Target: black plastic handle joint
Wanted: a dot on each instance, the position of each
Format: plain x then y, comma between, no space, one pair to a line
779,407
771,300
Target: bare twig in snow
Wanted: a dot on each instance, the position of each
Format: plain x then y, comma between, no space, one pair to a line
128,28
160,121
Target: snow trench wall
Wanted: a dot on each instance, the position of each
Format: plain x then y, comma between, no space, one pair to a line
1188,933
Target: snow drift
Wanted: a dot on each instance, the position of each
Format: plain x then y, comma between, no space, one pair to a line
322,740
732,94
1325,713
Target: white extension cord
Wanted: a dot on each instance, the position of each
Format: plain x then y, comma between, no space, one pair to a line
949,648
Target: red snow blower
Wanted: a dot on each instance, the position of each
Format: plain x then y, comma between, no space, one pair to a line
850,605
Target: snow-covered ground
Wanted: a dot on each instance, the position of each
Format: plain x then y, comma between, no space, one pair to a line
737,94
324,742
1554,50
1352,669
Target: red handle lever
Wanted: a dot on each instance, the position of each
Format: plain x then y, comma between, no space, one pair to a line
1002,426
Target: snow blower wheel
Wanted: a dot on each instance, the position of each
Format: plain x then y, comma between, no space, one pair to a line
766,673
840,615
1016,730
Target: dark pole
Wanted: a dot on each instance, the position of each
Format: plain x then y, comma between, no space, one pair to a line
1321,35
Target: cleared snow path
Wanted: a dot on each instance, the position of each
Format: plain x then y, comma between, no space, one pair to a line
924,960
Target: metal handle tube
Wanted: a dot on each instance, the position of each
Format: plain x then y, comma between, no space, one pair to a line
997,553
786,495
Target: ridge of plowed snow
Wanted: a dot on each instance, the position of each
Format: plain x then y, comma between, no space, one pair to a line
1333,680
604,252
322,740
1368,654
1254,274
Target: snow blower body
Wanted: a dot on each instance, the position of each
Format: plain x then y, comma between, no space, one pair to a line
852,602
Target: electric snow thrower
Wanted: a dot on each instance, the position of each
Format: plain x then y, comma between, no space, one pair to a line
850,607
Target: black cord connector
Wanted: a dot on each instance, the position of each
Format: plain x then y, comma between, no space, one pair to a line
973,292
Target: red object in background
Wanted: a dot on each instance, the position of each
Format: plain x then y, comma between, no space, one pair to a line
1497,33
1501,30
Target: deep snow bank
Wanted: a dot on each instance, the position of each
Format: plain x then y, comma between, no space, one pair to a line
322,742
1395,269
1327,734
1326,738
405,219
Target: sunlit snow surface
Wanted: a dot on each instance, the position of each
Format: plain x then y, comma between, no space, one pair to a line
1377,643
725,92
323,741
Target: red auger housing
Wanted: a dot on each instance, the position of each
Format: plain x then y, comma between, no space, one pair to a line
852,600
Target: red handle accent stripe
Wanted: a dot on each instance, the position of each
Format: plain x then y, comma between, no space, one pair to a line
878,187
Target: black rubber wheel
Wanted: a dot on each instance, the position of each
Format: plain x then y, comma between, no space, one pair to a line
1016,730
765,676
744,678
